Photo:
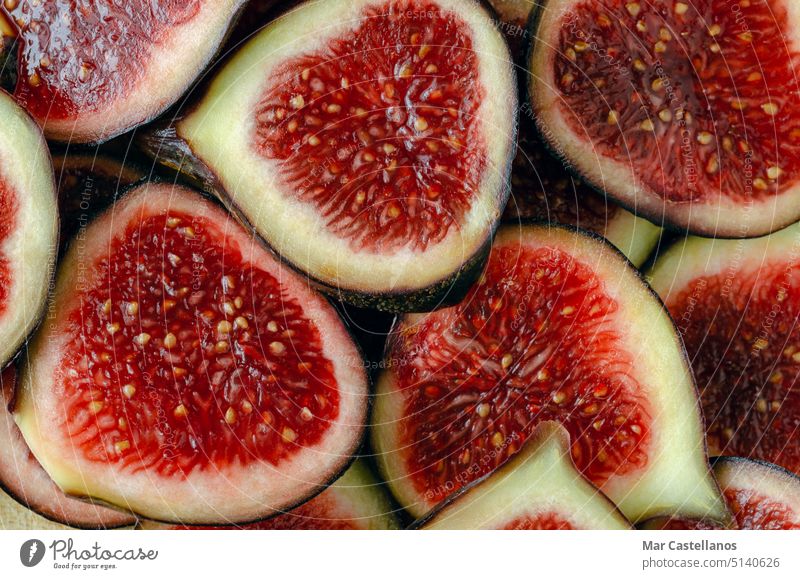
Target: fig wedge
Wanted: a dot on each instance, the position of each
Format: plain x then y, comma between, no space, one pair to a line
187,376
373,157
89,71
687,112
560,327
28,226
736,305
538,489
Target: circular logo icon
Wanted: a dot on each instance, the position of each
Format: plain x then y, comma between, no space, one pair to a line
32,552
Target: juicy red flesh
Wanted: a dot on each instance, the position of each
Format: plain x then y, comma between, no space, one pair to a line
756,512
387,119
544,190
79,55
186,357
742,335
531,342
539,522
8,204
699,104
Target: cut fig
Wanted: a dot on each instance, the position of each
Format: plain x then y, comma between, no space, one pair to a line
89,71
87,184
736,305
186,375
538,489
26,481
28,226
560,327
374,159
687,112
542,188
762,496
356,501
14,516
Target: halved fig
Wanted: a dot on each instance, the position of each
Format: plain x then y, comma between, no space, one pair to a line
14,516
186,375
687,112
762,496
373,158
357,501
538,489
89,71
560,327
87,184
542,188
736,305
24,478
28,226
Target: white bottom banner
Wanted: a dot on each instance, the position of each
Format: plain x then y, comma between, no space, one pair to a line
387,555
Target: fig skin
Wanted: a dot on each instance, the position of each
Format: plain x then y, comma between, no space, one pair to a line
169,144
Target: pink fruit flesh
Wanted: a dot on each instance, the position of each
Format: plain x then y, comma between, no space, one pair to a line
78,55
755,512
745,350
528,344
8,205
387,119
540,522
177,306
26,480
699,102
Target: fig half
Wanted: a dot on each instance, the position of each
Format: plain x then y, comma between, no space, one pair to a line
373,155
737,305
560,327
23,477
542,187
356,501
687,112
762,497
538,489
186,375
28,226
89,71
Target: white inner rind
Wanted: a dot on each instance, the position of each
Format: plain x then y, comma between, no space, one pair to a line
214,495
541,480
173,64
714,215
221,132
676,478
30,249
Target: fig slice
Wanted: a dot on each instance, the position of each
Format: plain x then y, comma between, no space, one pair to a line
28,226
736,305
186,375
374,159
356,501
538,489
24,478
542,187
89,71
560,327
688,112
761,495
